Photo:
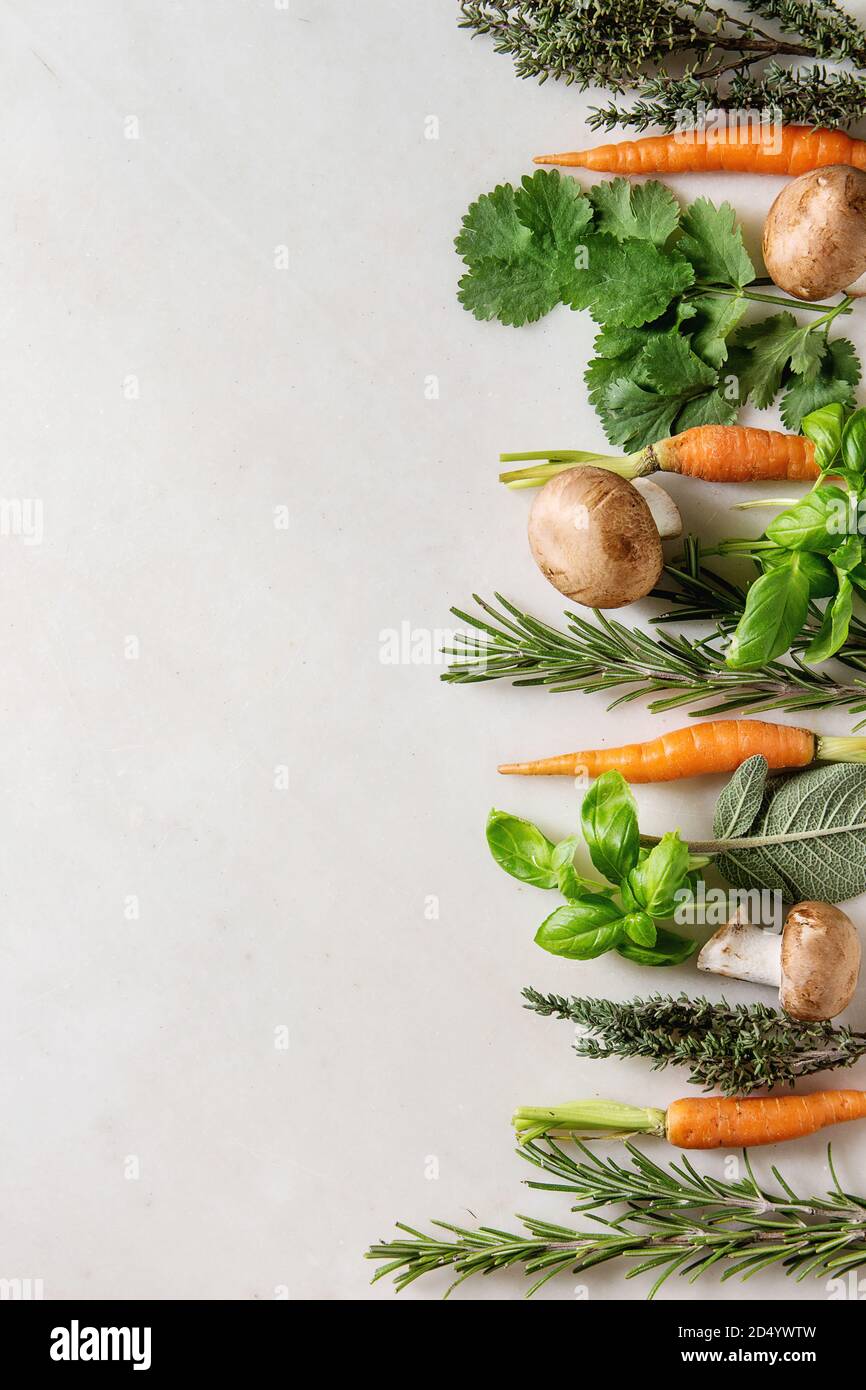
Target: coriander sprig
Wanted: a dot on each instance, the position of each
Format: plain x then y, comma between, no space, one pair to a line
675,1221
734,1049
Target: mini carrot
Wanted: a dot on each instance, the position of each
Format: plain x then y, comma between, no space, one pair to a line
719,745
741,149
714,453
697,1122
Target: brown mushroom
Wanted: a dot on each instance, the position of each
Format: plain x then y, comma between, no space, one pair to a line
815,234
814,963
595,537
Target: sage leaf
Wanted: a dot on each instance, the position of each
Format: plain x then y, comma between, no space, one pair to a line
740,801
808,839
521,849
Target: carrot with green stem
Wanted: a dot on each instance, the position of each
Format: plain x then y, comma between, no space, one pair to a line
697,1122
713,453
720,745
737,148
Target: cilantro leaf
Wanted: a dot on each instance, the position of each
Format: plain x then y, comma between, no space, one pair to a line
625,286
713,243
648,212
838,374
716,317
775,342
519,245
640,407
492,229
714,407
514,292
554,209
634,417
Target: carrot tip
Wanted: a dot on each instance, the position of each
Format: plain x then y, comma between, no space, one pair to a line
509,767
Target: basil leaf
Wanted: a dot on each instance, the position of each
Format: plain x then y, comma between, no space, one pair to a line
847,556
824,428
608,817
521,850
834,628
854,443
813,523
668,949
817,569
776,609
568,880
640,928
656,880
581,930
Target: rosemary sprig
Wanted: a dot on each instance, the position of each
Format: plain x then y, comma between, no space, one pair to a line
729,63
735,1049
512,645
675,1221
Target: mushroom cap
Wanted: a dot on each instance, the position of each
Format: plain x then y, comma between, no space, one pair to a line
815,234
593,536
820,961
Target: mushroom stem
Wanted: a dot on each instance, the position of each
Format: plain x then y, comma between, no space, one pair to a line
744,952
665,512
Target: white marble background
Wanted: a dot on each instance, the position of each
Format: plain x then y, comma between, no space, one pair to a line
227,272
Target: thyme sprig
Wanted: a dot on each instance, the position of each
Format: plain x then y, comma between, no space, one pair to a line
508,644
734,1049
675,1221
684,56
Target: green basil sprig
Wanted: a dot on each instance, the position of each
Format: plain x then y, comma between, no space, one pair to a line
812,550
622,914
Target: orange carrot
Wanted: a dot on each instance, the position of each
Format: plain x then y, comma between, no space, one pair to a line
697,1122
720,745
714,453
713,1122
769,149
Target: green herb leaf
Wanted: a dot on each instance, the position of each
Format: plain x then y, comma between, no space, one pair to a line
813,523
835,624
518,246
640,928
655,881
740,801
581,930
670,377
838,374
568,880
625,285
716,317
776,342
521,849
854,443
776,608
827,805
669,949
648,211
608,818
709,408
713,243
